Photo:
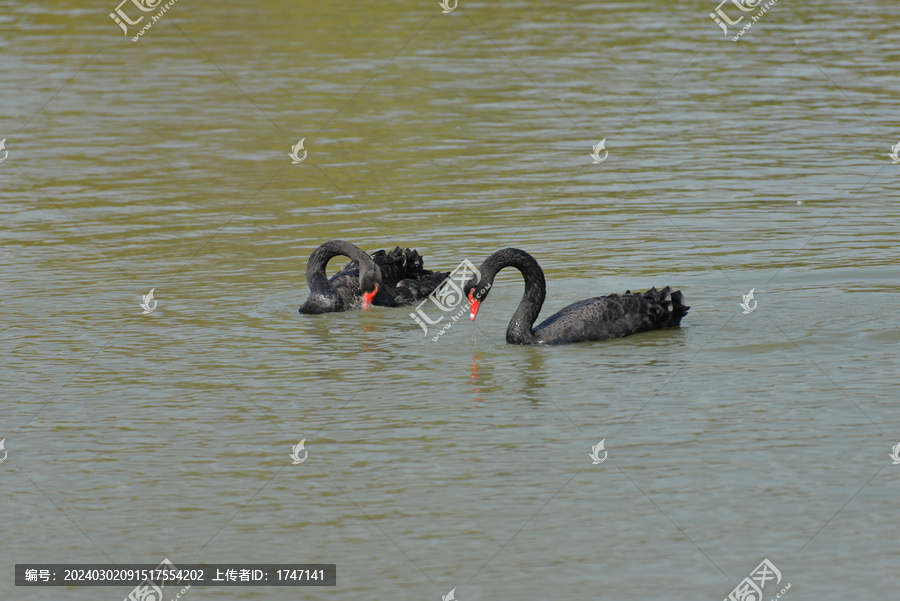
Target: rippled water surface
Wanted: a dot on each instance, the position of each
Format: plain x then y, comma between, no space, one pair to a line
463,462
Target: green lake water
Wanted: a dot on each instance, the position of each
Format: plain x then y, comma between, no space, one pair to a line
461,463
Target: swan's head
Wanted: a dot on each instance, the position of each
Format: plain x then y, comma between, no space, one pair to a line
369,283
476,291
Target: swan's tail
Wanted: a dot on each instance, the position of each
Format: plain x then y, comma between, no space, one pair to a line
670,302
673,303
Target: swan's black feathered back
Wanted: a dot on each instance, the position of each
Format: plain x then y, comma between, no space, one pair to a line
613,316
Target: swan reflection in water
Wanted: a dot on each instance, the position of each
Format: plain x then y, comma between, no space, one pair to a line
482,380
474,379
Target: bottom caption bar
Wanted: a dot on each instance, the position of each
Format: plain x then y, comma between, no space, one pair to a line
152,576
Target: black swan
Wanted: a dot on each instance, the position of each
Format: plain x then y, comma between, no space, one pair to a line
597,318
388,279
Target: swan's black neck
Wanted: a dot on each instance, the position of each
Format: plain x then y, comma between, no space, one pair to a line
316,278
520,326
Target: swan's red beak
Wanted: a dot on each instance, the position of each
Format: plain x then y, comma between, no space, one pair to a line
473,306
369,296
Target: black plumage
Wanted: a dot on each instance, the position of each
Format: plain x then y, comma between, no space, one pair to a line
598,318
397,277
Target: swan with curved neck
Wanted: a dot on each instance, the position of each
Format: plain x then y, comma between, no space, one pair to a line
345,290
599,318
385,279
